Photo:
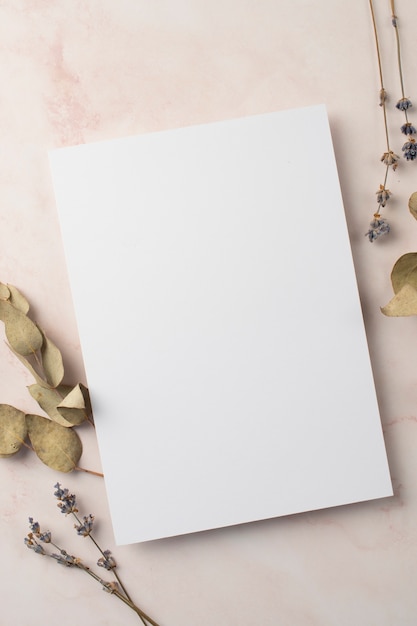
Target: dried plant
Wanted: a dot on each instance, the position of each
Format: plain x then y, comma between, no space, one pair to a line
404,279
42,542
404,103
53,439
379,225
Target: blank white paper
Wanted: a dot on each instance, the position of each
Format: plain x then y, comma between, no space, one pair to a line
220,324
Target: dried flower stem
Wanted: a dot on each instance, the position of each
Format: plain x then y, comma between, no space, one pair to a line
381,80
410,146
145,619
36,538
115,574
397,38
379,225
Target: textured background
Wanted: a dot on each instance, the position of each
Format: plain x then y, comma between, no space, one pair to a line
77,71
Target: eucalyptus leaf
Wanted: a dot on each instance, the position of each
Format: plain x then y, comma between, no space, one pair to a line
76,406
403,304
404,271
4,292
18,299
48,399
22,334
31,369
52,362
412,204
58,447
13,430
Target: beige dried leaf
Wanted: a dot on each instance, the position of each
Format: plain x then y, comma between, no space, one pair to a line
76,406
13,430
403,304
4,292
52,362
31,369
22,334
404,271
18,299
48,399
58,447
412,204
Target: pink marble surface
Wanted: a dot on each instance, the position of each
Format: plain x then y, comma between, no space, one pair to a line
80,71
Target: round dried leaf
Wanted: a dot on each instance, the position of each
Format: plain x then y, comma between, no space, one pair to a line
412,204
76,406
404,271
48,400
23,335
18,299
4,292
13,430
58,447
403,304
52,363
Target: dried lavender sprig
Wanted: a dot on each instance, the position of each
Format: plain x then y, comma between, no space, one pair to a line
406,104
32,541
403,103
68,505
382,91
410,150
379,225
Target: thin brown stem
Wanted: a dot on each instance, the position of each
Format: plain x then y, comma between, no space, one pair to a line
83,469
137,610
37,359
378,53
384,109
386,175
74,562
115,574
397,37
27,445
142,616
381,79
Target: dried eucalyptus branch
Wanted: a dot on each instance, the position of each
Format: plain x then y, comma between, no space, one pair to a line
404,279
53,439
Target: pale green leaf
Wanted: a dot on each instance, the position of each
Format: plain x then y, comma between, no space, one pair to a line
18,299
48,399
13,430
412,204
403,304
3,309
58,447
404,271
52,362
76,406
23,335
31,369
4,292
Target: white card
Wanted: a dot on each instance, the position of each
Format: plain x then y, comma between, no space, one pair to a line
220,324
